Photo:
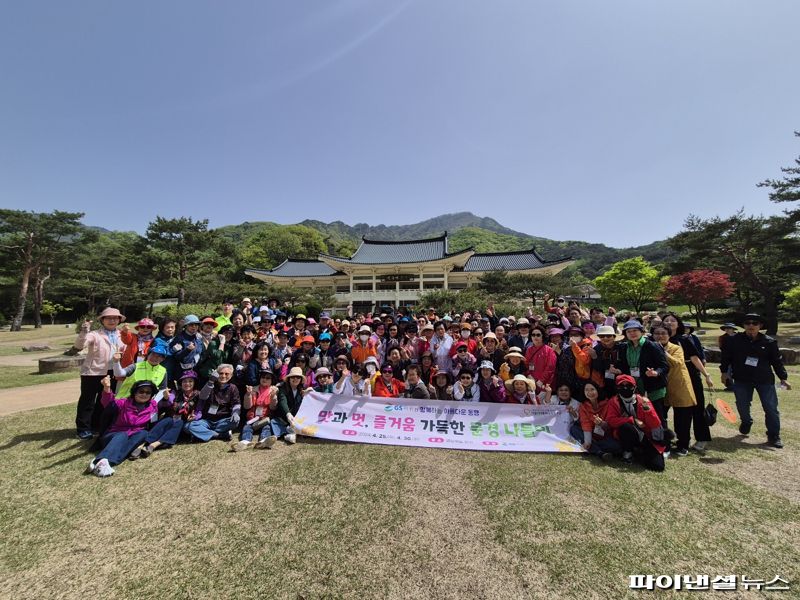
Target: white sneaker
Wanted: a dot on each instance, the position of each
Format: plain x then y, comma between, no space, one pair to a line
268,442
290,438
666,453
239,446
102,468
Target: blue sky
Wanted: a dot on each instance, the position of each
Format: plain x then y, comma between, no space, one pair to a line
601,121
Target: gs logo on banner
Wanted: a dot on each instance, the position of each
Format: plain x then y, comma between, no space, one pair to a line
393,407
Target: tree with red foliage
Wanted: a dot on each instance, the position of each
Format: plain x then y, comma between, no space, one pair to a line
697,288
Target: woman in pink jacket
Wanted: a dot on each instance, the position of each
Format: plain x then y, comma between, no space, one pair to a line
101,344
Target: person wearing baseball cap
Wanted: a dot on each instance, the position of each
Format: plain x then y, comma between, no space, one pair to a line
637,427
386,385
227,313
752,357
149,369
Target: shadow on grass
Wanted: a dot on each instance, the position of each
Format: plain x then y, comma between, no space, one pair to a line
50,439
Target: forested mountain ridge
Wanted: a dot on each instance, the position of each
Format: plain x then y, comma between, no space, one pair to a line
465,230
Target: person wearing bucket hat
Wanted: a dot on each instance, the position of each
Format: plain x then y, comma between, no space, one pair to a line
290,397
298,330
645,361
324,384
513,364
520,390
752,358
490,350
127,418
136,344
176,410
364,346
636,425
149,369
260,402
218,409
609,359
491,386
441,386
187,346
521,338
101,345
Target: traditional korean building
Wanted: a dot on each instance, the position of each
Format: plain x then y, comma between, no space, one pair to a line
391,273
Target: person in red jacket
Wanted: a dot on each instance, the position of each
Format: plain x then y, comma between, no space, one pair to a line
592,428
386,386
636,425
137,344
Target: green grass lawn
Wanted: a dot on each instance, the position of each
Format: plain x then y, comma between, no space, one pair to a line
335,520
11,377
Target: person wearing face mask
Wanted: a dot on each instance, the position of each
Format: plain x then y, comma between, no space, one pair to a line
636,426
464,337
522,338
364,347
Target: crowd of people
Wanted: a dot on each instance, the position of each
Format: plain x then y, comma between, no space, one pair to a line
246,371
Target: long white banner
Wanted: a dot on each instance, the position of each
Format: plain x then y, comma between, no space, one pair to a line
436,423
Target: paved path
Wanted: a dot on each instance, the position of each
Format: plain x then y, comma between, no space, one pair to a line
37,396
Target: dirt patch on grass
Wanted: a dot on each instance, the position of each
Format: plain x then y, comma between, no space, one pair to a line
775,471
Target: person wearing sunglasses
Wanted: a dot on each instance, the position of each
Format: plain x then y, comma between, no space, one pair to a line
541,359
752,357
466,388
463,359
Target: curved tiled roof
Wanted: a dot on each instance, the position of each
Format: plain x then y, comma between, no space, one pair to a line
379,252
294,267
508,261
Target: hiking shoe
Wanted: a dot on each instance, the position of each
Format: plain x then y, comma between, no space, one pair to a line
744,428
699,447
147,450
137,452
606,457
267,442
681,452
239,446
85,435
627,457
102,468
775,442
290,438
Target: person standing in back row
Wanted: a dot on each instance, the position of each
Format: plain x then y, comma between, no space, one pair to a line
752,357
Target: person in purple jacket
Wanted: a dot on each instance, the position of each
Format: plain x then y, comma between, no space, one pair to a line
492,388
128,418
